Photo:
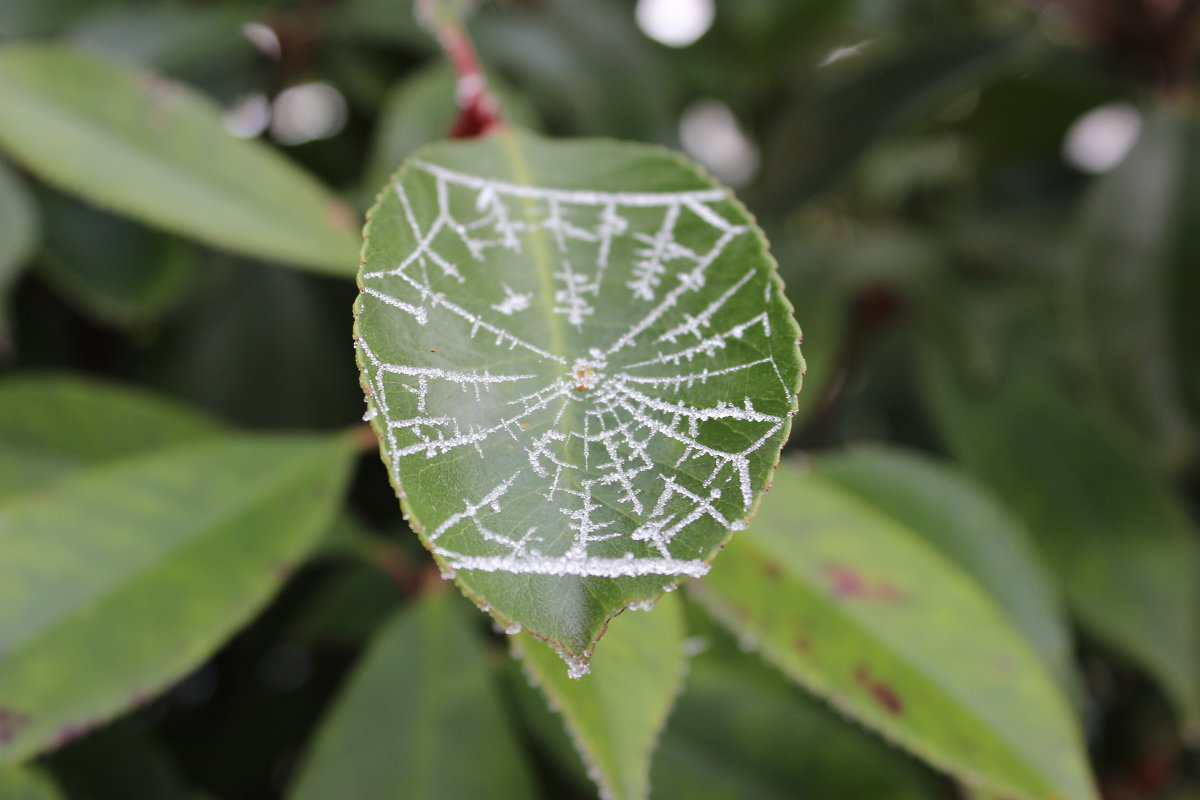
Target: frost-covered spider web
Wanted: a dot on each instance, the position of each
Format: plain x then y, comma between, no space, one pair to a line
615,458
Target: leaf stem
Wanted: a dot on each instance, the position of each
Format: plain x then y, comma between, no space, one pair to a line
479,113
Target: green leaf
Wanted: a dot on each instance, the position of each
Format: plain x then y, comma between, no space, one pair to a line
134,279
54,425
616,714
581,366
853,605
419,718
1120,281
26,783
419,110
741,730
1112,530
155,150
848,109
954,515
19,230
126,569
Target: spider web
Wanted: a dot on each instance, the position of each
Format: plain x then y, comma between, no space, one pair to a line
620,451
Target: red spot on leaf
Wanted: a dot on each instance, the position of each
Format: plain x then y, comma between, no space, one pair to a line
772,570
802,644
880,691
846,584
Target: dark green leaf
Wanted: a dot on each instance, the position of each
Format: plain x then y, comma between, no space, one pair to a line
1120,281
581,367
1114,532
847,109
420,718
853,605
18,228
155,150
126,569
615,715
116,270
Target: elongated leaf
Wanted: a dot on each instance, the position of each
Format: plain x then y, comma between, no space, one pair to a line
740,730
1114,532
155,150
1120,281
128,569
615,716
854,606
26,783
581,366
967,526
18,227
1183,282
848,110
419,719
54,425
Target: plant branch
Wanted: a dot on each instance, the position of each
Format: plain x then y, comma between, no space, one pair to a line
478,112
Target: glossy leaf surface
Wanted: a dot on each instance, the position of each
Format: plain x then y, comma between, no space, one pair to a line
144,146
127,569
615,715
851,604
419,718
581,366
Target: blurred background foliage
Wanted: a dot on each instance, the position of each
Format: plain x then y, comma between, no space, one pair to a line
986,214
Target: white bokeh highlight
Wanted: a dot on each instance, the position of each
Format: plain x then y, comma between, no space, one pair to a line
675,23
1101,138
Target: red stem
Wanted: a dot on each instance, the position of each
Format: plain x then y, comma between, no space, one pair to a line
479,112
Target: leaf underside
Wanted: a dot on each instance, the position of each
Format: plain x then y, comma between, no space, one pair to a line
581,367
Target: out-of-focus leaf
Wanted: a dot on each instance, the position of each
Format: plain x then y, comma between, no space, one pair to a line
168,37
126,569
1118,538
119,762
852,604
848,109
1183,287
294,321
420,110
615,714
27,783
740,730
348,607
116,270
34,18
588,341
1120,281
155,150
19,228
585,65
967,526
419,718
54,425
380,21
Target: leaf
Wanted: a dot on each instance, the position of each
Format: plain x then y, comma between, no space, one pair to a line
1183,282
26,783
740,730
615,716
19,229
54,425
419,718
847,110
1116,535
854,606
1119,284
421,109
580,365
968,527
144,146
134,279
127,569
